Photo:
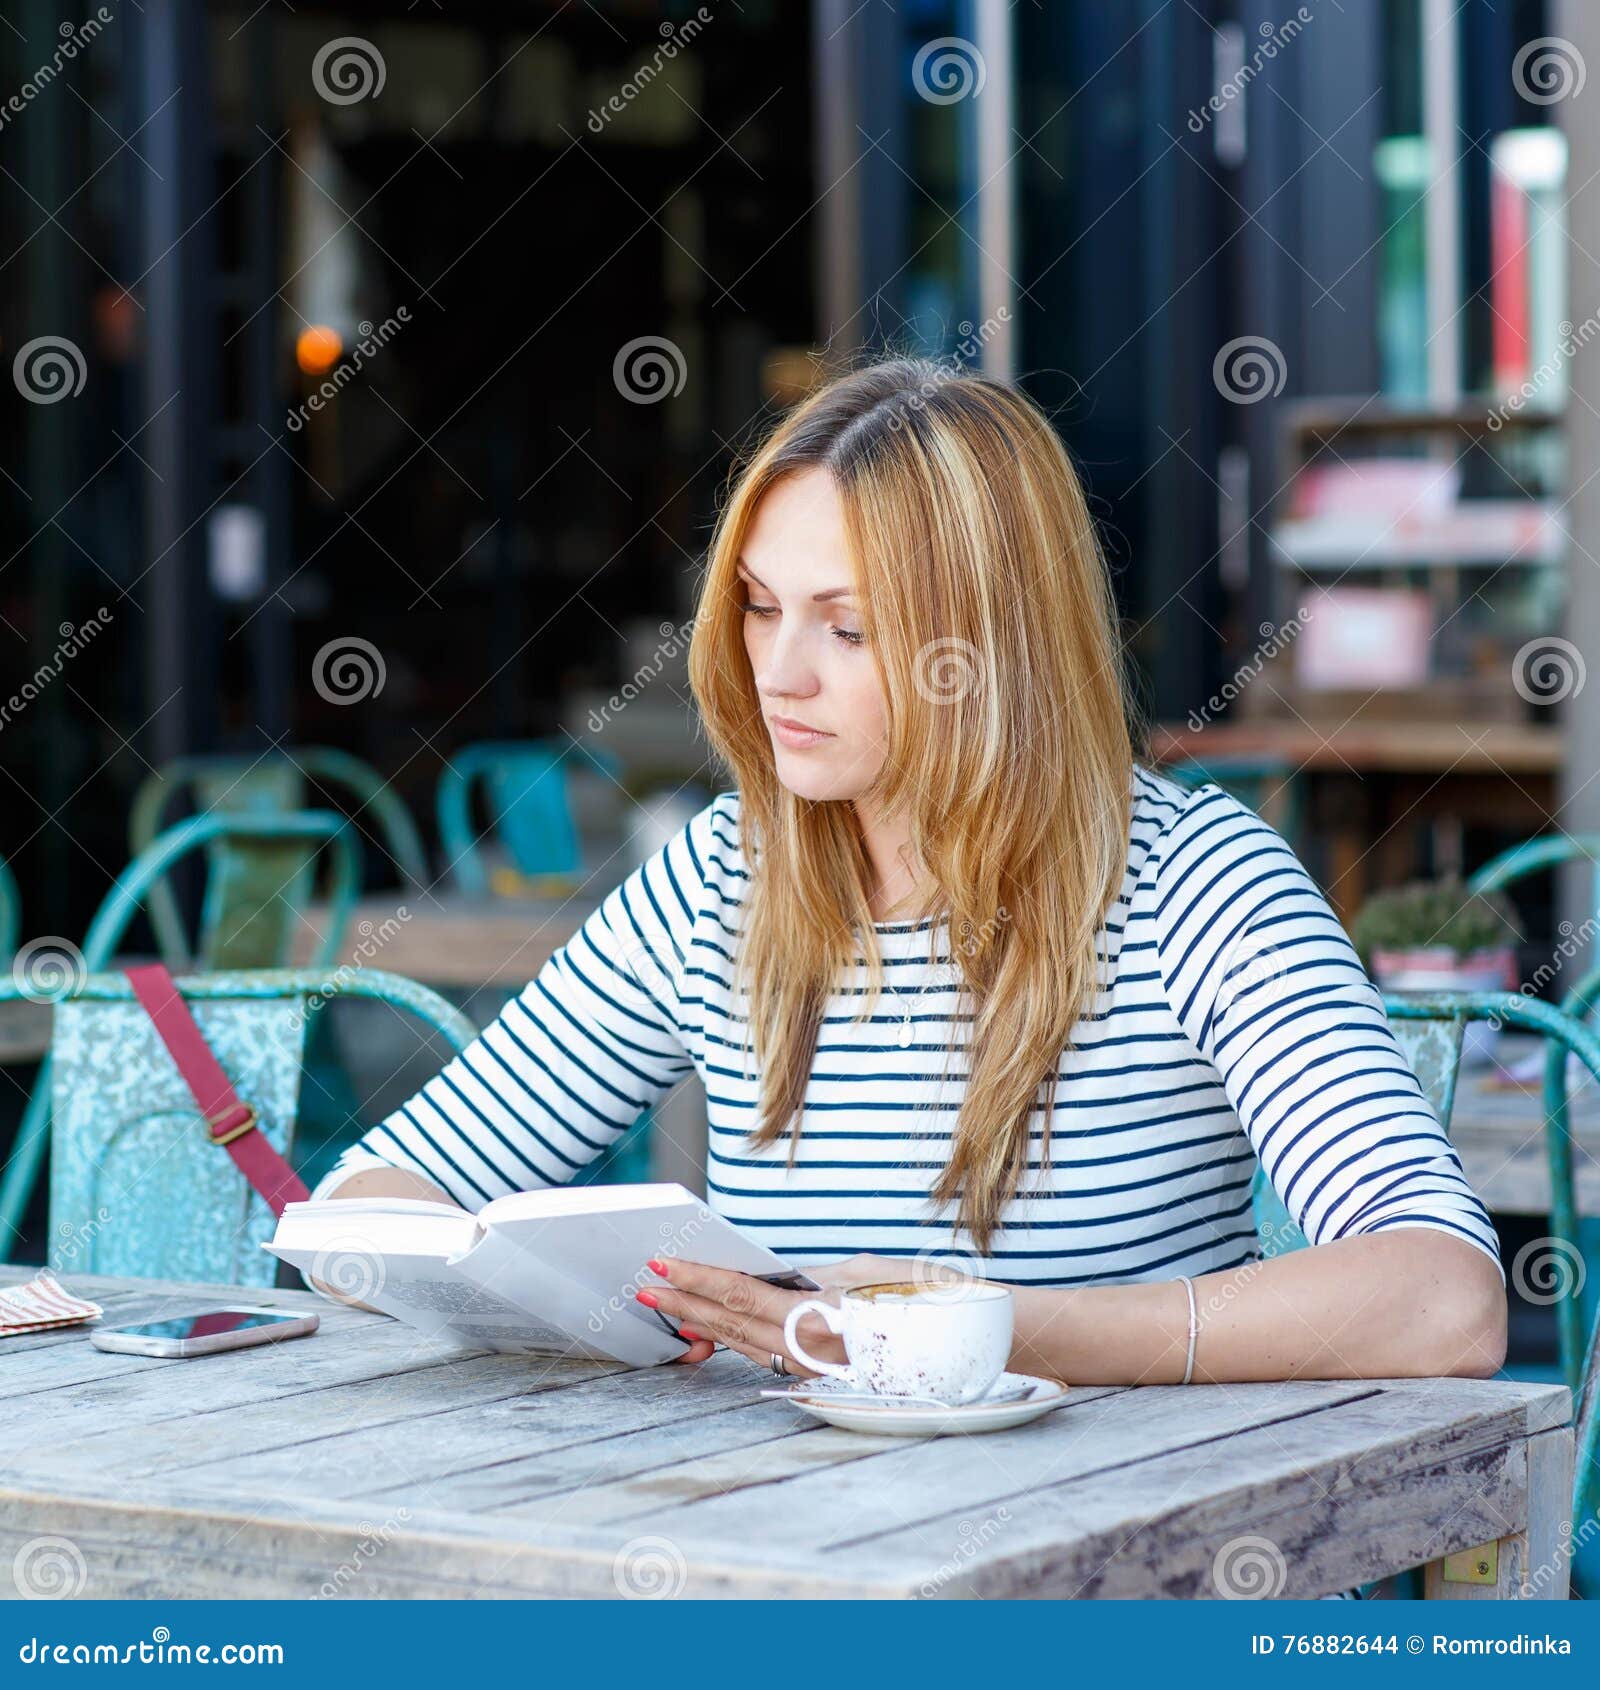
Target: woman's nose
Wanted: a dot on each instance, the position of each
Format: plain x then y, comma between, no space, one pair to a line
786,673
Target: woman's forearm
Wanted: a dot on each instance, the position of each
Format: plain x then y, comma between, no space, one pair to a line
390,1182
380,1182
1412,1302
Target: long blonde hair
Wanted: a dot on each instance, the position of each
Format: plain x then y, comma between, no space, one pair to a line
985,597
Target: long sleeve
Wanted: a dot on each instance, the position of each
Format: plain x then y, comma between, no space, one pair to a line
1268,988
570,1063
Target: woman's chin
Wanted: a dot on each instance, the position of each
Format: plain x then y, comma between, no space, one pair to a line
815,783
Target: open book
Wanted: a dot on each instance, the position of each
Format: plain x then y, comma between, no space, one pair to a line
548,1272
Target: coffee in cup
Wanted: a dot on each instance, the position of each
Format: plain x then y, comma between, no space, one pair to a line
948,1339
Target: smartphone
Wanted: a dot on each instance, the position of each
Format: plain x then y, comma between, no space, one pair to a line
205,1333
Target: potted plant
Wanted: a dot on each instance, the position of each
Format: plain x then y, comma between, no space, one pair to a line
1436,936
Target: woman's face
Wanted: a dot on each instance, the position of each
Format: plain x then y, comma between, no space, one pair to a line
821,695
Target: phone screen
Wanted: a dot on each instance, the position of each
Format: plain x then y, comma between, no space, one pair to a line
205,1325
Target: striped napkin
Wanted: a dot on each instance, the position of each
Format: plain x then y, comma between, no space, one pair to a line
43,1302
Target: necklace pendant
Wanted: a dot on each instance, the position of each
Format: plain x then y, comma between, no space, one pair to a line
905,1031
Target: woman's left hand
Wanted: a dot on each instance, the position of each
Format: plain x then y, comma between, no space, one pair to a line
738,1310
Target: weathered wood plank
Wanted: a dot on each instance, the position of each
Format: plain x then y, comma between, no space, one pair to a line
1337,1497
1535,1560
911,1479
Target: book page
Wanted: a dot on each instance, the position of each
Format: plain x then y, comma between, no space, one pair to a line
427,1293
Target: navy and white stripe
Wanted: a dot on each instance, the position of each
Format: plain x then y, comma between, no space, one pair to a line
1234,1020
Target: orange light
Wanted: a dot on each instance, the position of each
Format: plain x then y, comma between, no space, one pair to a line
317,349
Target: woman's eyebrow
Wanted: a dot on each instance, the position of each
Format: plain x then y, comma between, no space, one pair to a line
816,598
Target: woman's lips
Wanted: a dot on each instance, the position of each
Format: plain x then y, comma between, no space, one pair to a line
796,735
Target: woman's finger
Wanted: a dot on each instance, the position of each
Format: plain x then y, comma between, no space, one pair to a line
740,1293
701,1349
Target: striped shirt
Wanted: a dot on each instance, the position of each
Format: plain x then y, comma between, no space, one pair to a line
1233,1021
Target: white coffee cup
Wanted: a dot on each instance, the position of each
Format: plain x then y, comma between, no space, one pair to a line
944,1339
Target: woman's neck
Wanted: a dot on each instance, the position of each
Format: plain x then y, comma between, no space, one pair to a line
887,842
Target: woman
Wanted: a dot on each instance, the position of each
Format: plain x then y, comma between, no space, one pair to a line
966,982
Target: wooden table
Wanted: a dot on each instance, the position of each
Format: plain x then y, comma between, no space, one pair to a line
446,940
363,1462
1499,1133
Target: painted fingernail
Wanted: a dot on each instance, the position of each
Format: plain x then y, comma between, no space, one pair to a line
686,1332
648,1298
657,1267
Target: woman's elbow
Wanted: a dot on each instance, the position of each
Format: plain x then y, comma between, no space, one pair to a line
1467,1321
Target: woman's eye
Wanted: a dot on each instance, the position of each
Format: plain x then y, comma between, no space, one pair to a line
758,609
850,636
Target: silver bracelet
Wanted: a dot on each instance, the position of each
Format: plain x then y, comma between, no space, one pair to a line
1194,1329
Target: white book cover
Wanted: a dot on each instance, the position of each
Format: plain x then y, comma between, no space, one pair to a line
549,1272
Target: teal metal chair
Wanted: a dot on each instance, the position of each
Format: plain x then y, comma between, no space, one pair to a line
1532,855
1430,1027
253,896
1266,784
525,783
274,784
10,911
136,1186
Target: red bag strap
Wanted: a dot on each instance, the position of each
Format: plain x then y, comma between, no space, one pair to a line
232,1122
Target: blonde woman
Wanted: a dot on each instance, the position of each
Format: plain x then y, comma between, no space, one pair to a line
965,980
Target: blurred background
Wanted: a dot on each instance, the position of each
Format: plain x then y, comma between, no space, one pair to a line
375,370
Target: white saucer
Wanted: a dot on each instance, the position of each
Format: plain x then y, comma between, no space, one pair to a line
899,1420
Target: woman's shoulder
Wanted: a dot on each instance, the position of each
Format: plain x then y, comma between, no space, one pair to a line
1173,821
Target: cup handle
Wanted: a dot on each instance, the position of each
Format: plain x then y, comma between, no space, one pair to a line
832,1318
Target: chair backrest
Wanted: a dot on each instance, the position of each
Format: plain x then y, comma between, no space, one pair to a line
259,879
274,784
530,807
1531,855
135,1186
10,911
